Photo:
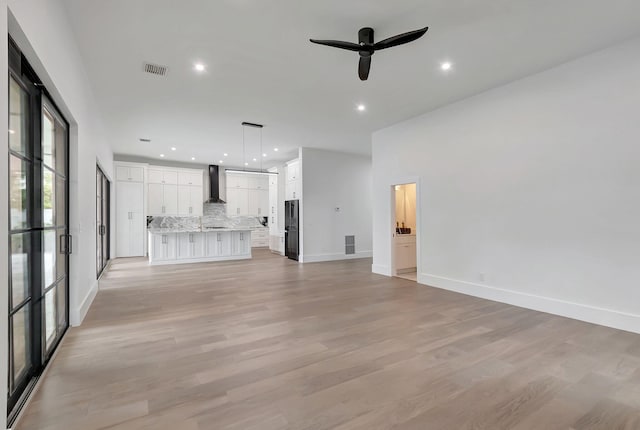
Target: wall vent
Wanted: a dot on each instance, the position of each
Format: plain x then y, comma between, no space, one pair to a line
349,244
155,69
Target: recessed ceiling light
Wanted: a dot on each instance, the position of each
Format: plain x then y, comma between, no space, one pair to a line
225,154
255,159
173,148
12,131
275,149
362,108
221,161
199,67
193,158
246,164
446,66
161,155
264,155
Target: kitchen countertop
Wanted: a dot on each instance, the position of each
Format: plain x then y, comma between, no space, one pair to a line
156,230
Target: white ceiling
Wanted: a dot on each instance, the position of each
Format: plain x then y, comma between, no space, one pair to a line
262,68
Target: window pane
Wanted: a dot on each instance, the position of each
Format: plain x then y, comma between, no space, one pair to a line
19,268
62,305
61,148
61,208
48,197
18,109
48,138
18,192
19,348
50,317
49,270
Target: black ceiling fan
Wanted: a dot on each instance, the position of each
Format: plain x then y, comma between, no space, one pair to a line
366,47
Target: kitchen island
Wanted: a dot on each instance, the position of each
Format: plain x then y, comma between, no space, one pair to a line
197,245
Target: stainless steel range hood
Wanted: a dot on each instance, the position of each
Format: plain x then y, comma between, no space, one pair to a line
214,185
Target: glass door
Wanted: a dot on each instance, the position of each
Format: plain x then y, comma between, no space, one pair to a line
39,240
21,238
55,235
102,221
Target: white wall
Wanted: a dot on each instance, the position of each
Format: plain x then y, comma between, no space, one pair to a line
42,31
333,180
533,187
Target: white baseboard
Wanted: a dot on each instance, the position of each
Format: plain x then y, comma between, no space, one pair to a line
381,269
77,316
582,312
333,257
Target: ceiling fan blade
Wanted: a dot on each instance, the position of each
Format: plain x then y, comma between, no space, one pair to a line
363,68
400,39
338,44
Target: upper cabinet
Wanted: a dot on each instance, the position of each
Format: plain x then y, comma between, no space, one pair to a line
293,170
129,173
158,175
247,194
190,178
293,187
176,192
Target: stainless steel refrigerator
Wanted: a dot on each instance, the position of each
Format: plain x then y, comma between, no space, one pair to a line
291,232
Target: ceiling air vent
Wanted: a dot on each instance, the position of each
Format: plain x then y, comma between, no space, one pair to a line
155,69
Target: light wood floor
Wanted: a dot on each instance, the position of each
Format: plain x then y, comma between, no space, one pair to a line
270,344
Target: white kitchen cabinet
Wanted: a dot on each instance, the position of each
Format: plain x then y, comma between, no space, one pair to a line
258,202
162,199
190,200
293,170
130,224
129,173
236,180
157,175
218,243
240,243
237,201
293,190
163,247
190,178
260,238
258,182
190,245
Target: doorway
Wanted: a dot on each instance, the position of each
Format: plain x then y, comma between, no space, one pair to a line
404,246
39,240
102,221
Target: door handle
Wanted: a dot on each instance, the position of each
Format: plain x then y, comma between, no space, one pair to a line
69,240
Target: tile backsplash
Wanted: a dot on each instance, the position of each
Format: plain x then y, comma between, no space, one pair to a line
214,215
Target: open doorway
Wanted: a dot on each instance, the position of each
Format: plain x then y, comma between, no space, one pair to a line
404,235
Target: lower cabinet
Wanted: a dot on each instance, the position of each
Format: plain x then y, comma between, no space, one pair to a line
405,252
171,248
218,244
191,245
240,242
163,247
